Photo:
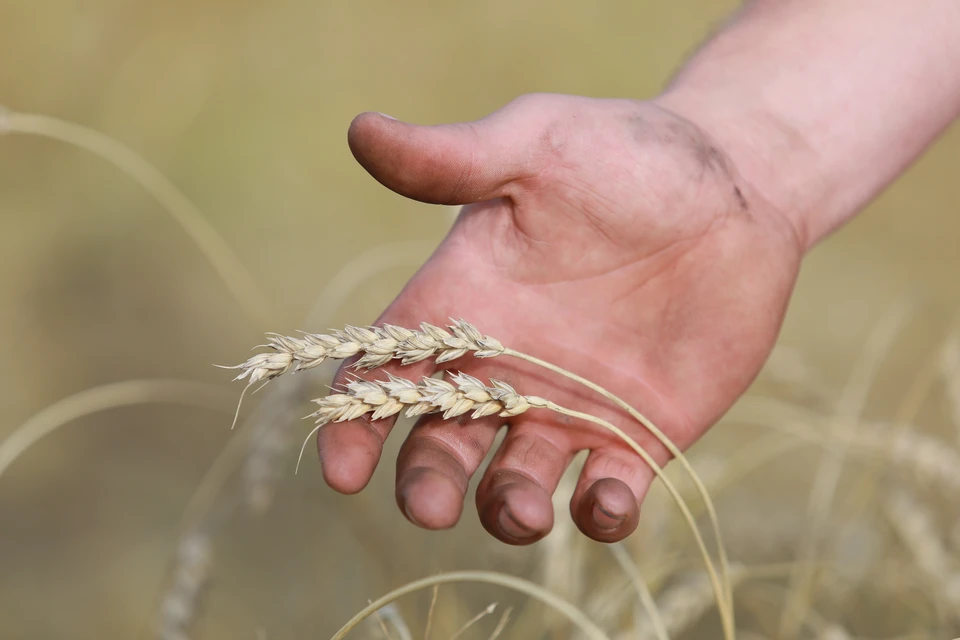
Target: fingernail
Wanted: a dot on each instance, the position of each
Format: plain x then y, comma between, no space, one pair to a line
605,520
510,526
385,116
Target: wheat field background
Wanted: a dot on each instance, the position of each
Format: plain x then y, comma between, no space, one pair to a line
244,106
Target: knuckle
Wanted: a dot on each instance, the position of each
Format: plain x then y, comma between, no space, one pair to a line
529,452
611,466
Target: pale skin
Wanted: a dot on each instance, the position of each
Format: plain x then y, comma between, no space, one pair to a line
651,247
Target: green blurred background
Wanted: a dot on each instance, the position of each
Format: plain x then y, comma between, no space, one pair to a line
244,106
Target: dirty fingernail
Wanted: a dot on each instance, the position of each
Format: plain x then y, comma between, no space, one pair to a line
510,526
605,520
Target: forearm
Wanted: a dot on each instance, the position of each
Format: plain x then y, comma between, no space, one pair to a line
822,103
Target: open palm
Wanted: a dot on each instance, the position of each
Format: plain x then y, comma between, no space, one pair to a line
609,237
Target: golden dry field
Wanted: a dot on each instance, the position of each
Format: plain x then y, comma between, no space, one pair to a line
111,317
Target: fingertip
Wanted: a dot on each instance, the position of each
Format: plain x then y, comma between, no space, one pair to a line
429,499
348,456
518,513
362,130
608,511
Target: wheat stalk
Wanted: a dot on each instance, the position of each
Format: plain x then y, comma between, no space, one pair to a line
380,345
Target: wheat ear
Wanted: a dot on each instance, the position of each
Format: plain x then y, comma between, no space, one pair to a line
575,615
380,345
238,281
466,394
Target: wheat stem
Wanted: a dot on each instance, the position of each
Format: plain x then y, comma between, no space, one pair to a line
535,591
430,610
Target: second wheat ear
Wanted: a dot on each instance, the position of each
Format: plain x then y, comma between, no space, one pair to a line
379,345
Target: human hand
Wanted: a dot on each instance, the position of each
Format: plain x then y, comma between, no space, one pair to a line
610,237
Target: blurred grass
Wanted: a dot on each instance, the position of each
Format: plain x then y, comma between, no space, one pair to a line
244,105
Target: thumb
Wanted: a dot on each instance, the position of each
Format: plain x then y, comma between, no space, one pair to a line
444,164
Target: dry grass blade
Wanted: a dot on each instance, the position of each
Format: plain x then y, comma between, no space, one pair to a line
474,620
502,624
574,614
392,614
381,624
109,396
430,611
238,281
